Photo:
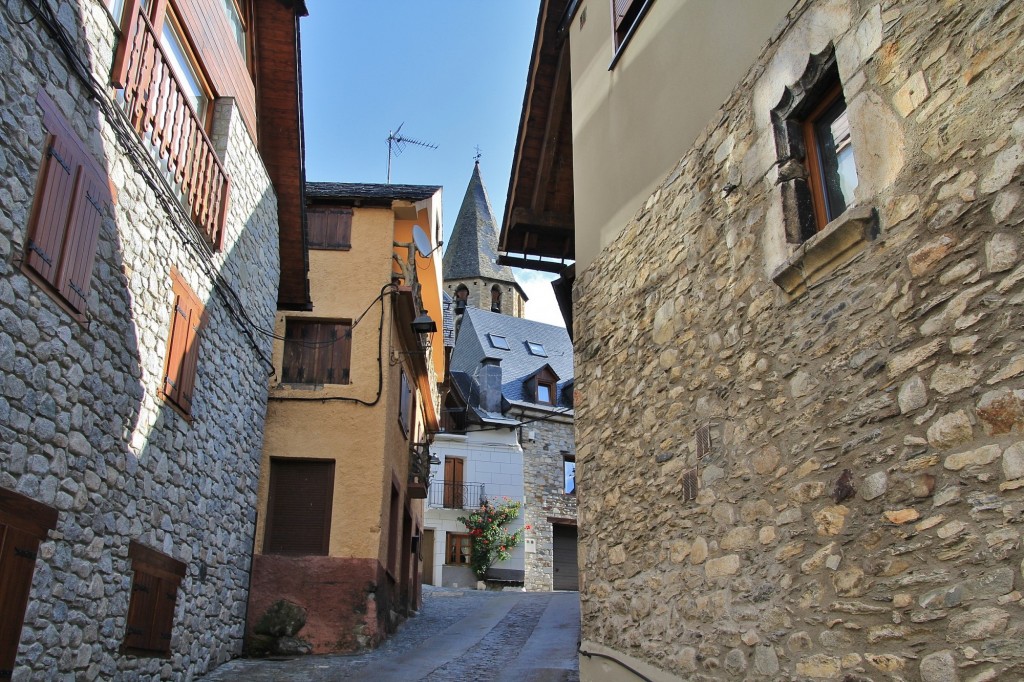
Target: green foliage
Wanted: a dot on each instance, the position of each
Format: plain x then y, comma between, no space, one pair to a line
491,543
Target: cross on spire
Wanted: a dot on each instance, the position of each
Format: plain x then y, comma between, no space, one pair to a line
478,154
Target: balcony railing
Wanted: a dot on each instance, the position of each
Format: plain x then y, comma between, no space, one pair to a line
159,109
456,495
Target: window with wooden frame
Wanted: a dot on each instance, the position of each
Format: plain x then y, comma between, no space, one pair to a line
459,549
24,523
317,352
817,172
542,386
330,228
154,596
71,201
405,403
299,505
395,509
626,15
182,361
236,20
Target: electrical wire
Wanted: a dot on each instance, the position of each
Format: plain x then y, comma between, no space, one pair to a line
380,361
132,146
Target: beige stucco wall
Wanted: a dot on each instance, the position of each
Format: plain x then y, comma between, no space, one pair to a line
366,441
615,168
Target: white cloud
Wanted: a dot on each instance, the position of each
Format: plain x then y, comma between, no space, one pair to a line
541,306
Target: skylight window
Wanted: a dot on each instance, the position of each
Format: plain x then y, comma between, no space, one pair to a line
499,342
536,349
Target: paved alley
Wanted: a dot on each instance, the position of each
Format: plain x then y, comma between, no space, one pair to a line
462,635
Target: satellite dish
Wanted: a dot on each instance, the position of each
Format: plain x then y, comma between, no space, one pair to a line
422,242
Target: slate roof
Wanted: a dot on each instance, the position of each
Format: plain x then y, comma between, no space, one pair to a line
517,363
362,190
473,247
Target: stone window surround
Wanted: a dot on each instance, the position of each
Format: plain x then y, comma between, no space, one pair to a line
819,253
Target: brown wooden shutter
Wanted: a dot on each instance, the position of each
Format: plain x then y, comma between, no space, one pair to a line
178,341
60,179
299,507
190,360
79,253
138,633
164,601
325,335
17,562
292,351
340,234
340,353
316,223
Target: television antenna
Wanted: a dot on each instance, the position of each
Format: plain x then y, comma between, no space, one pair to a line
397,142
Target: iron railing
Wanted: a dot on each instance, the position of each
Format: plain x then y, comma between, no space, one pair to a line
456,495
160,110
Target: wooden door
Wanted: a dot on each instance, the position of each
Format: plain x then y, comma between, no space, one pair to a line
427,550
565,570
453,483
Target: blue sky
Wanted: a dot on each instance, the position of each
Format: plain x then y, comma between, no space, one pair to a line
454,72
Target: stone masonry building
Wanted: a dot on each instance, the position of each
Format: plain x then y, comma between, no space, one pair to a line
143,237
800,409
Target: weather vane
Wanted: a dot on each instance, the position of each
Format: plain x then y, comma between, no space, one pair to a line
478,154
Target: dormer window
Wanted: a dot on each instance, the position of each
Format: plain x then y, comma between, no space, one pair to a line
545,392
499,342
536,349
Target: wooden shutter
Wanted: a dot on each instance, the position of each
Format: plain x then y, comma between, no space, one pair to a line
183,346
329,228
72,198
23,523
343,354
138,633
325,337
299,507
17,563
164,601
292,364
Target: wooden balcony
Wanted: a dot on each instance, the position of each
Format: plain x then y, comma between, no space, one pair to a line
159,108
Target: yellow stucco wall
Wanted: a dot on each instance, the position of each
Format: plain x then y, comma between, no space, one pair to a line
631,124
366,442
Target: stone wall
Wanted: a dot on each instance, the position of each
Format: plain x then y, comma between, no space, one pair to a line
82,427
543,472
858,512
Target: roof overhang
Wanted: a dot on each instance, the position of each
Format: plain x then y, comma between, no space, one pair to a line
538,227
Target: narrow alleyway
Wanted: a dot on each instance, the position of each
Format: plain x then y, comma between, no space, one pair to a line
464,636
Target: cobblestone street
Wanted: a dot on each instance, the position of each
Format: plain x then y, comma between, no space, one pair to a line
468,636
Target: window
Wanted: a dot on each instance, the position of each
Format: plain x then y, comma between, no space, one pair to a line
495,299
545,392
569,471
626,16
179,55
234,15
405,403
23,524
329,228
536,349
393,539
460,548
72,198
454,483
151,606
499,342
183,345
299,507
316,352
816,159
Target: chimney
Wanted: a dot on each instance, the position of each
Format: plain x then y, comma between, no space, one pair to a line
489,379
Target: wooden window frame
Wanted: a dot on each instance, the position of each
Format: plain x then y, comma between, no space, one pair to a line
823,214
452,544
272,539
24,523
181,362
328,345
406,402
72,200
319,236
550,386
153,602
